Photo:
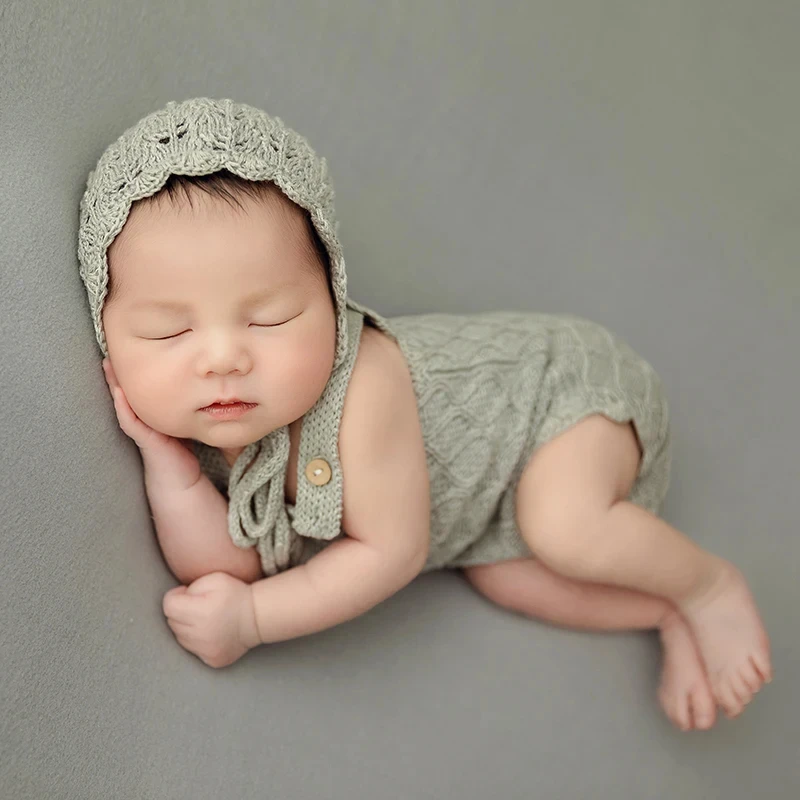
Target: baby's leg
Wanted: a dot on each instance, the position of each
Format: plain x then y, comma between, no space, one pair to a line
528,587
572,512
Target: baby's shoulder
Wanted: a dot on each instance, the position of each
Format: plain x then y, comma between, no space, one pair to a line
380,437
378,358
379,388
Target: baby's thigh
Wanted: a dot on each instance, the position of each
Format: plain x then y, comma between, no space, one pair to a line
583,470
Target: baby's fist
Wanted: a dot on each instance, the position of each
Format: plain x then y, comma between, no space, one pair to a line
214,618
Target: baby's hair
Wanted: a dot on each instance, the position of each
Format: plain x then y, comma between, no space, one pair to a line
230,188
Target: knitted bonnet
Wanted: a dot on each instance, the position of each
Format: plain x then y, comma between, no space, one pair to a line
197,137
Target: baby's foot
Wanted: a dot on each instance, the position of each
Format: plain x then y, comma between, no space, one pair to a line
684,693
731,639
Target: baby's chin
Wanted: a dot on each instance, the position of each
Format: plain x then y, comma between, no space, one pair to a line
232,434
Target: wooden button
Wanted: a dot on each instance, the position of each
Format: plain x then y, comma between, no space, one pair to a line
318,471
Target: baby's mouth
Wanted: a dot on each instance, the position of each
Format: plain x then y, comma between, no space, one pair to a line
225,403
224,409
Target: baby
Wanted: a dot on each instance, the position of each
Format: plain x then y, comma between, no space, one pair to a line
306,458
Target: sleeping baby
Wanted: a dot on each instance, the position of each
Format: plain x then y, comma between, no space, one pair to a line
305,458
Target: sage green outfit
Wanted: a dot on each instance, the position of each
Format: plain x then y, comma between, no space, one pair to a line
490,387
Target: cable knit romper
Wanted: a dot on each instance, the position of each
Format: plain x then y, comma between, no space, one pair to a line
490,389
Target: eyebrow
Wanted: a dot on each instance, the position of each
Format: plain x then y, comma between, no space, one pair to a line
173,305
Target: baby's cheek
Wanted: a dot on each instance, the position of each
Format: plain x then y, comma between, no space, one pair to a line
301,365
306,367
153,390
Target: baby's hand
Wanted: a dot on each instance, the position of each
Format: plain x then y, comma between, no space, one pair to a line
171,457
214,618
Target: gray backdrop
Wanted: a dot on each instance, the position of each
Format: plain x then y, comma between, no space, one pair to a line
634,162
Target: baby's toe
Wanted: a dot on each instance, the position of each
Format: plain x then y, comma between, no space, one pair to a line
762,664
750,676
727,698
740,688
675,707
703,708
681,713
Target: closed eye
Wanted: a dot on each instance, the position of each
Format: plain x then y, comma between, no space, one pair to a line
254,324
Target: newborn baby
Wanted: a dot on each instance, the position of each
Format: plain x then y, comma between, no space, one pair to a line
305,457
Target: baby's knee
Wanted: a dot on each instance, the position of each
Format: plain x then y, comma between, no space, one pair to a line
568,539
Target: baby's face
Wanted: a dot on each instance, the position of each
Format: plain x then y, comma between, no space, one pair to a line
171,362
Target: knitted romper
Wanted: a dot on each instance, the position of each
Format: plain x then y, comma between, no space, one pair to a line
490,389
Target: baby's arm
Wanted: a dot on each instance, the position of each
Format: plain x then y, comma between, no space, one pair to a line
386,510
346,579
192,528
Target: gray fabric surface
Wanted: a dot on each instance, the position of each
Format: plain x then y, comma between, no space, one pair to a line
647,179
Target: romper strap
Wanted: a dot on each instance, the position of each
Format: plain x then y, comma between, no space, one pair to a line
318,506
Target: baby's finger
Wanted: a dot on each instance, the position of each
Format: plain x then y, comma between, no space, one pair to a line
141,433
123,405
108,380
178,607
187,643
128,420
125,415
179,628
108,371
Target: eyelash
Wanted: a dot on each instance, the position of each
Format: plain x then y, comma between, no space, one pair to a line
175,336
